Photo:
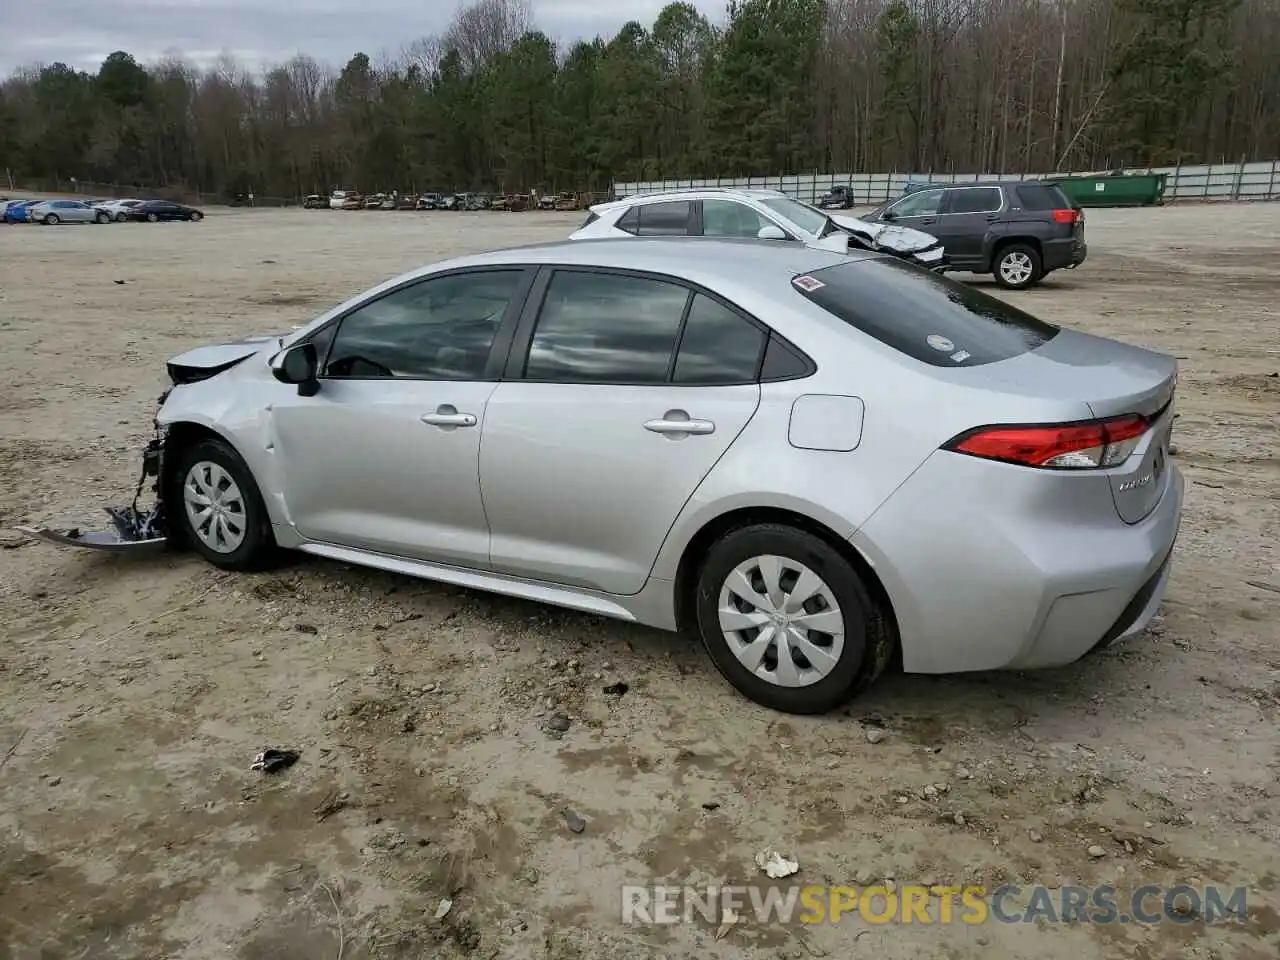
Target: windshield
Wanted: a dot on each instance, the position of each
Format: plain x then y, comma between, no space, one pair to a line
806,218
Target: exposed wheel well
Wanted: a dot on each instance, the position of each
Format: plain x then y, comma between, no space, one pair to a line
691,560
178,437
1003,242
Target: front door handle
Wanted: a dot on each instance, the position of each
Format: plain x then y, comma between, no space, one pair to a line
928,219
447,415
677,423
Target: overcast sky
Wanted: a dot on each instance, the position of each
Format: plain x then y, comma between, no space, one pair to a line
82,32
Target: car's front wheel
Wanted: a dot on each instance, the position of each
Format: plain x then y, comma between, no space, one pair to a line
1018,266
218,510
152,218
788,620
101,218
195,216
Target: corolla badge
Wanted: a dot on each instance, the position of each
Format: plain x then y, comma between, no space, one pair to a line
1141,481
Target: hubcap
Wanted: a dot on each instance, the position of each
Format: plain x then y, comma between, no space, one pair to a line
1015,267
781,621
215,507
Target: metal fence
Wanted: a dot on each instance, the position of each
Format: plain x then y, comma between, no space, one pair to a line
1221,181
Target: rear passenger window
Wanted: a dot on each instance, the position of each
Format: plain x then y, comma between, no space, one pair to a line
928,317
606,328
718,345
973,200
669,218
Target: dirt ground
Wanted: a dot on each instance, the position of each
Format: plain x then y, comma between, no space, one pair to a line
134,692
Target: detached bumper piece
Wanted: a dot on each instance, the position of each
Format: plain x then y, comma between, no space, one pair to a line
131,531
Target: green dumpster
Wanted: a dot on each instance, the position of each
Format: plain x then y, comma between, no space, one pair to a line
1114,190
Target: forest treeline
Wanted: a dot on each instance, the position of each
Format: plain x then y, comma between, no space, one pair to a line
779,86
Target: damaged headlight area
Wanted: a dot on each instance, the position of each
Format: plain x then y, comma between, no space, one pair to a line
133,528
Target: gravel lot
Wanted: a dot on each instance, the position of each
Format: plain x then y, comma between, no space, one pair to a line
134,692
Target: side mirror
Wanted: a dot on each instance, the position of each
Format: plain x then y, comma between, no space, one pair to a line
771,232
299,365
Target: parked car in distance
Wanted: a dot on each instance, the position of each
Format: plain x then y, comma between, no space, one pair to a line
736,437
756,214
838,197
53,212
19,211
476,201
153,210
1018,231
430,201
315,202
117,210
339,199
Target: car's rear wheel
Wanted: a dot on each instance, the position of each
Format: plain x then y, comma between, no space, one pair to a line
51,219
121,218
787,619
152,218
1018,266
218,509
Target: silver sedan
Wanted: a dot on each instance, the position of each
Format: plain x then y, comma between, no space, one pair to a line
810,460
53,212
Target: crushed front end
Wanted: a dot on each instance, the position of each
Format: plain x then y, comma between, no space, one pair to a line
133,528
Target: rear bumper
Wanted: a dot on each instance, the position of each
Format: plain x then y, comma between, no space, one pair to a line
1064,253
991,566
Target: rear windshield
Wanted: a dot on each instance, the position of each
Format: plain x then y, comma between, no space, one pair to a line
1043,196
917,312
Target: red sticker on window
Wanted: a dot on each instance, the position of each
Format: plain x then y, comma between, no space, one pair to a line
808,284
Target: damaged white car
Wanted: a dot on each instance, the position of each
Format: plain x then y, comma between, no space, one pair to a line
755,214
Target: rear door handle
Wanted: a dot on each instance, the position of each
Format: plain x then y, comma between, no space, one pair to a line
447,415
676,426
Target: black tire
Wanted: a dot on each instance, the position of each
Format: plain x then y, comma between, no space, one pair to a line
868,636
258,548
196,216
121,218
51,220
101,218
1015,251
152,218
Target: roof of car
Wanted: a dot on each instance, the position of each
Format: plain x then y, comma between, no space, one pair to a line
690,193
678,256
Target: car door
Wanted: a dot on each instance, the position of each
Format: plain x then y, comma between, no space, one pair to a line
603,429
384,457
918,210
964,221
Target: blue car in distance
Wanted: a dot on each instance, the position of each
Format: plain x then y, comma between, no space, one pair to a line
18,211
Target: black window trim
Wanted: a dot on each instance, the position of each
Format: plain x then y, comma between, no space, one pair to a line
502,340
518,354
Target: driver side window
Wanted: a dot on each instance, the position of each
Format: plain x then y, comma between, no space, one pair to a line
728,218
923,204
437,329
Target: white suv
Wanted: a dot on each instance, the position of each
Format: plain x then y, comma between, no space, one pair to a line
762,214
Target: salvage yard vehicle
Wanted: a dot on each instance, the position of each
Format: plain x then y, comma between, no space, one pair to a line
810,459
762,214
839,197
53,212
19,211
117,209
315,202
1018,231
154,210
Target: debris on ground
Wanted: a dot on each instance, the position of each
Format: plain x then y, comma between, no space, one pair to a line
574,822
274,760
1097,852
875,734
330,805
558,723
306,628
728,918
775,865
616,689
443,909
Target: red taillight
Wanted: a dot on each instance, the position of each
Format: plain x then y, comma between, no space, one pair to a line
1066,216
1071,446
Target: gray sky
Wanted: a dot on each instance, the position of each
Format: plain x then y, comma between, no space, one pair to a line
82,32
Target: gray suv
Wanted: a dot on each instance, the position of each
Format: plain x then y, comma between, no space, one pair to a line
1017,231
